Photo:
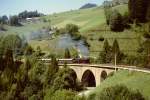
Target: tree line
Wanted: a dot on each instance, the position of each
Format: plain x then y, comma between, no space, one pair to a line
109,52
138,12
29,78
29,14
16,19
137,16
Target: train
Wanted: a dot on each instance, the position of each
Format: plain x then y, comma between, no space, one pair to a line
70,60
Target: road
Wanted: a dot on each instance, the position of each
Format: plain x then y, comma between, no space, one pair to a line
86,92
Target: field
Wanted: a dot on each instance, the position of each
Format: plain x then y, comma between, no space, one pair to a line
133,80
92,26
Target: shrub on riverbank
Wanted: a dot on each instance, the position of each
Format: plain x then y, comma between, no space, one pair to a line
118,92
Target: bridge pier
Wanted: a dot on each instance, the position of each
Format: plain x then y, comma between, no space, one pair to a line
86,72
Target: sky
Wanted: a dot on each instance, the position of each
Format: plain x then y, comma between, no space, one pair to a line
11,7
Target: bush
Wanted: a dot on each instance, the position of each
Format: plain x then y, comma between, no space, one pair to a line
131,60
62,95
14,21
101,38
146,35
116,22
91,39
126,20
138,9
65,79
76,37
110,74
71,28
118,92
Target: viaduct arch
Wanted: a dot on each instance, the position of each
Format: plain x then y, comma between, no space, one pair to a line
99,72
90,76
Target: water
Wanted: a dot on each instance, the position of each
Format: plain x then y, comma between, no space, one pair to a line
66,41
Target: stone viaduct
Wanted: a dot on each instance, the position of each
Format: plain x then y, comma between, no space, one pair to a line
90,75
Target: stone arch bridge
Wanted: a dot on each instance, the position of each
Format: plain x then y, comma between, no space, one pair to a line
90,75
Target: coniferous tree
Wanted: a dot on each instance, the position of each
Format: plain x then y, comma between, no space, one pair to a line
67,53
138,9
105,55
38,51
28,50
52,70
1,63
146,45
148,11
116,22
4,19
9,68
8,59
72,28
107,11
14,21
116,52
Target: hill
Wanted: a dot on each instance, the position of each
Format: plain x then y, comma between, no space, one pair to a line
133,80
88,5
92,25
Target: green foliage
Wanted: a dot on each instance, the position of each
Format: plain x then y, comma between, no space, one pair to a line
66,79
101,38
61,95
27,14
71,28
67,53
13,42
126,20
52,70
116,51
4,19
64,95
148,11
146,46
7,74
107,12
116,22
38,52
8,60
131,60
14,21
138,9
118,92
28,50
105,56
146,35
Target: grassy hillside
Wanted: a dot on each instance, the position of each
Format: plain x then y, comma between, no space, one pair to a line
92,26
85,18
133,80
